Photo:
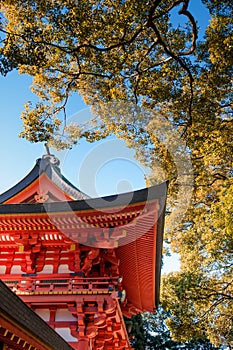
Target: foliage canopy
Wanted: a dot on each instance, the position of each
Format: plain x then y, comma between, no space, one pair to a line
149,332
146,55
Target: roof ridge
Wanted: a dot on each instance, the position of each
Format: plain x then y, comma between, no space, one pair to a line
50,165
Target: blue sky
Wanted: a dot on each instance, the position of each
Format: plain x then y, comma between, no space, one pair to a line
117,171
98,169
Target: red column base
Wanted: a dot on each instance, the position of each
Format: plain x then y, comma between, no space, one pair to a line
83,344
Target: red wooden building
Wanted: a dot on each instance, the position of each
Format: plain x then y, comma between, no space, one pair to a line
22,329
81,263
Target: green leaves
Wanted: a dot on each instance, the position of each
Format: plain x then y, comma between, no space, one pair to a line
200,305
150,82
149,331
200,296
105,50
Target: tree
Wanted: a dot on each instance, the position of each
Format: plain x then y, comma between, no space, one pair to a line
150,332
201,294
152,83
124,50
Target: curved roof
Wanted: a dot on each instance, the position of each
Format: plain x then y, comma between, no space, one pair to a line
47,166
130,222
21,320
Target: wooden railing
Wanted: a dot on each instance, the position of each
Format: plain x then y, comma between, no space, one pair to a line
41,284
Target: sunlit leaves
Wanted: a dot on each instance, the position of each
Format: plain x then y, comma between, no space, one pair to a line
139,65
201,306
104,50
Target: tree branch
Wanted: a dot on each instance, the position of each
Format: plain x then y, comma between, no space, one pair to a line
184,11
152,25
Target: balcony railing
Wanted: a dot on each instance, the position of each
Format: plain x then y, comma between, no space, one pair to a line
74,284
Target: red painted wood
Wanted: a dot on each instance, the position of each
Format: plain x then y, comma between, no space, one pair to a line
36,246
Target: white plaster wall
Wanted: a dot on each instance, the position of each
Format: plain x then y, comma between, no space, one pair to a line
16,269
43,313
47,269
63,268
65,334
2,269
64,315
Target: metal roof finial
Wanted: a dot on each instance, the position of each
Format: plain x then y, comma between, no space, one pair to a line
47,149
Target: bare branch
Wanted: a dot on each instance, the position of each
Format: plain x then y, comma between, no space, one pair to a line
184,11
152,25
